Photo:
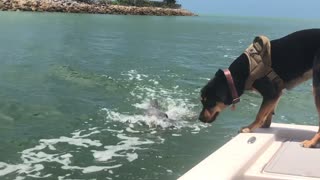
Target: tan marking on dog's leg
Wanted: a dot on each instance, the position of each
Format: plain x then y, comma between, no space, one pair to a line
267,122
312,142
316,138
265,110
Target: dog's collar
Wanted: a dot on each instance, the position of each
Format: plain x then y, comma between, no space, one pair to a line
234,93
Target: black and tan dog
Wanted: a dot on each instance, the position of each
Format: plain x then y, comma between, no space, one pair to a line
283,63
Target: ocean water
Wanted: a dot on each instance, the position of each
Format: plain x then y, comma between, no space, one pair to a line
75,88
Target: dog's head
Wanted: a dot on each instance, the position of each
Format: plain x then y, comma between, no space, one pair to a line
215,97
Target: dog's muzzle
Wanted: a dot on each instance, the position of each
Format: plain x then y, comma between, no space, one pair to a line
208,116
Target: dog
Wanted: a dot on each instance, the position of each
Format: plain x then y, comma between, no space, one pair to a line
293,59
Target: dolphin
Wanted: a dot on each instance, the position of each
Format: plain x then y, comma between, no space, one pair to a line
154,110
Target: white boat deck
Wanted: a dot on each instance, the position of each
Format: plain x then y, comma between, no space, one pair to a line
273,153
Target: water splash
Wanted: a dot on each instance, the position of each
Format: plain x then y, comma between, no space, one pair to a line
180,110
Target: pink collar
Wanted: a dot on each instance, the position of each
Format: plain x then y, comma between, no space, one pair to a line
234,93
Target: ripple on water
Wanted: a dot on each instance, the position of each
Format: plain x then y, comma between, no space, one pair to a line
127,140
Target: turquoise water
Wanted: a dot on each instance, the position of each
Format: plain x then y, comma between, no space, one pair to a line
74,89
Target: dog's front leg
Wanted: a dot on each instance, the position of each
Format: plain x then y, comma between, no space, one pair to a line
266,109
267,122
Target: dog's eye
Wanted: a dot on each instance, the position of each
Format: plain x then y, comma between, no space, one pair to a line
210,104
203,100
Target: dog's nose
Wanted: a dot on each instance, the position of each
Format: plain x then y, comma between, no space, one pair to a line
201,117
204,115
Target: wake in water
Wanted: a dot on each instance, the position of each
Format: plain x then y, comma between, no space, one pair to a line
121,138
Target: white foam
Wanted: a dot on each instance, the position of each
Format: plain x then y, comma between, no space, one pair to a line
142,105
7,168
91,169
151,121
134,75
77,133
155,82
35,158
131,130
132,156
19,178
72,141
112,130
62,177
127,144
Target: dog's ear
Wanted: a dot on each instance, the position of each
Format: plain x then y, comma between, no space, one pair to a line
220,76
213,85
219,73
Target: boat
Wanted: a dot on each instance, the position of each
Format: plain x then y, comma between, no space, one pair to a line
265,154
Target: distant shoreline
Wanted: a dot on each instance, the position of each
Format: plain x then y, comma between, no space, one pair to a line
70,6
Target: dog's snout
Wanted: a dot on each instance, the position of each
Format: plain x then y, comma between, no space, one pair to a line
208,116
201,117
205,115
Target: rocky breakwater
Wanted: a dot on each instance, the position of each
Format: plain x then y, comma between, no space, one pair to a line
71,6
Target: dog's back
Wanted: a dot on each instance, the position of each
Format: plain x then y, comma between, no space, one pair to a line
292,56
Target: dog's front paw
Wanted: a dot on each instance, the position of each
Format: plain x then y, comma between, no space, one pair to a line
245,130
308,144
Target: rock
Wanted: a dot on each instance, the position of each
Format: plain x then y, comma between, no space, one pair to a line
1,5
80,7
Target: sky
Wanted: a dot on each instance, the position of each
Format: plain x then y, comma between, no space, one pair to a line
259,8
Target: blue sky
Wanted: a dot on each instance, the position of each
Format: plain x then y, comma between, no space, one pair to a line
265,8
